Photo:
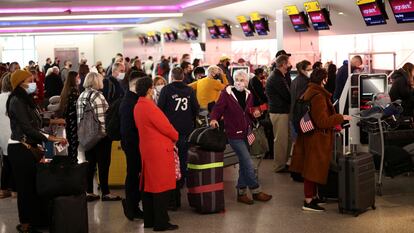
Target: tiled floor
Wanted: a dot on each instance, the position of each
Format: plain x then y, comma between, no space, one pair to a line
394,213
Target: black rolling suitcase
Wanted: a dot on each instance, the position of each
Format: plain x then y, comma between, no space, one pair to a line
70,214
205,180
330,189
356,183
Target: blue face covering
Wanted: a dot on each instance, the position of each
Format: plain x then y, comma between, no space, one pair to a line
31,88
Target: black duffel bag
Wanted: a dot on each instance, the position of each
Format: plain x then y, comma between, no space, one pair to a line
63,176
208,139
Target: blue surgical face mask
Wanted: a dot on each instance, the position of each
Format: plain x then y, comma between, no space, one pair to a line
31,88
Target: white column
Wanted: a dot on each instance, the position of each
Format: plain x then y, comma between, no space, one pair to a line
279,29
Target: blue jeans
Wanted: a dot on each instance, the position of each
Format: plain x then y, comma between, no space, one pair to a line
247,177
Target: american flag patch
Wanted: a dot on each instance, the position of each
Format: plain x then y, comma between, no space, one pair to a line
251,138
306,124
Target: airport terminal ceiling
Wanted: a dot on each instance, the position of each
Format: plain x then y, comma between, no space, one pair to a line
345,15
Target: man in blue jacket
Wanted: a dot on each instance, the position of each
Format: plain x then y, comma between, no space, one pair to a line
130,145
343,73
179,103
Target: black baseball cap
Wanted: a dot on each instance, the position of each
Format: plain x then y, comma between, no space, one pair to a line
282,52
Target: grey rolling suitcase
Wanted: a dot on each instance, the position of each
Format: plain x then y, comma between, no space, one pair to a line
356,183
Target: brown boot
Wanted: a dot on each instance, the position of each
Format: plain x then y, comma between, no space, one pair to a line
245,199
262,197
5,194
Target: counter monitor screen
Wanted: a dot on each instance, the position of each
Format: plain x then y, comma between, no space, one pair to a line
233,69
247,28
299,22
319,21
403,10
372,86
372,14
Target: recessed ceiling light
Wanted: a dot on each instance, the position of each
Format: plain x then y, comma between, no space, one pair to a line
340,13
237,26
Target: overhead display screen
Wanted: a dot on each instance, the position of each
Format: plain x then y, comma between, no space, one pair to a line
372,14
403,10
318,20
298,23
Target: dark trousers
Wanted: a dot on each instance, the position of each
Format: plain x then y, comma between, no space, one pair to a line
132,192
100,154
7,180
156,209
183,147
309,189
24,167
72,137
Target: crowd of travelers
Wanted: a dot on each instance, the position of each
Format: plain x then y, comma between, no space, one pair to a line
157,104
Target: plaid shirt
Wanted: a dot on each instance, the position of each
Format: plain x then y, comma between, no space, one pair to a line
99,104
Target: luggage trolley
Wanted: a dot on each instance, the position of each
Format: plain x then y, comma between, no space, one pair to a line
374,121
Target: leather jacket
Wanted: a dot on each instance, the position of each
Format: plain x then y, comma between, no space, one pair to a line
25,122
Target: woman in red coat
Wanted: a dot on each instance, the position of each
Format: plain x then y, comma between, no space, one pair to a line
157,138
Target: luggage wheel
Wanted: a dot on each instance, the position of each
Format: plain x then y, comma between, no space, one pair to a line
373,207
356,214
379,189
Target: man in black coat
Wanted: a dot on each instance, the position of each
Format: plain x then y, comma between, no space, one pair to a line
53,83
112,84
130,145
179,104
278,93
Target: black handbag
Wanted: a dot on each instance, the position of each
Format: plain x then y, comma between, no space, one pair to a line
63,176
208,139
38,151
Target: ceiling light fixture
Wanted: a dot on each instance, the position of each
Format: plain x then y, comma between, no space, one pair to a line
69,22
91,9
193,3
55,33
106,16
64,28
340,13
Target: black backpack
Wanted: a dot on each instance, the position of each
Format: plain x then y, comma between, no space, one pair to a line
300,109
113,120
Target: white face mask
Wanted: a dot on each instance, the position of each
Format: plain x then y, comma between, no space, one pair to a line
308,73
31,88
121,76
159,87
239,85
